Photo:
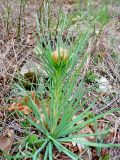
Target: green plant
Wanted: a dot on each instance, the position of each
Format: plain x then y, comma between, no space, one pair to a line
90,76
58,125
56,118
97,58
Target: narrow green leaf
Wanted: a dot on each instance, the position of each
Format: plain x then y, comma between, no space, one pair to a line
39,150
63,149
50,151
46,153
109,145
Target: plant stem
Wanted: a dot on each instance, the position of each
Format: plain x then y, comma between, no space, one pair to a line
57,83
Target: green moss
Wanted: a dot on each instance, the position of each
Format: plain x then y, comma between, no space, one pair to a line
114,55
97,58
33,138
90,76
107,157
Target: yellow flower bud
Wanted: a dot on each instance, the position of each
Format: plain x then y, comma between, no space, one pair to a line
60,55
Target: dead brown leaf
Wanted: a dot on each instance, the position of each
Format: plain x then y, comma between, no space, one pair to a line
88,130
6,141
30,40
19,106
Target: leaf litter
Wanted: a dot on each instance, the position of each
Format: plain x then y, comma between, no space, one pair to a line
6,141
